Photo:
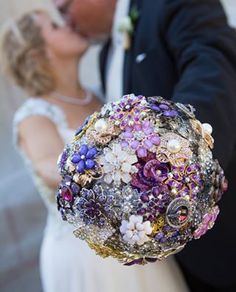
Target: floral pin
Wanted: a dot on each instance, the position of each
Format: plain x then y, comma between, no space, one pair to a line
127,26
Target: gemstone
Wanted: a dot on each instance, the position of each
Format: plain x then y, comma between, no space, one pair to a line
75,188
67,179
159,236
171,113
83,149
151,204
134,145
128,135
148,144
163,106
156,140
124,144
141,211
151,218
91,153
224,184
66,194
155,108
144,198
62,211
80,166
142,152
75,158
155,191
183,217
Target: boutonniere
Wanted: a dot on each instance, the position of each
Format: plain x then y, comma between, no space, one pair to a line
127,26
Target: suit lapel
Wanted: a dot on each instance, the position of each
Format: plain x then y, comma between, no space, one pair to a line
129,55
103,62
127,71
127,86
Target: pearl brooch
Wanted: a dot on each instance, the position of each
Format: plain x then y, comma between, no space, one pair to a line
174,149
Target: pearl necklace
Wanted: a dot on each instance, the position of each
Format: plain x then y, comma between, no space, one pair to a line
74,100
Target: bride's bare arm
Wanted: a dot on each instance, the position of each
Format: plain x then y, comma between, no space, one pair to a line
40,140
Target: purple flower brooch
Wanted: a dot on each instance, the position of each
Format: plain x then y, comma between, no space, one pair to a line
139,180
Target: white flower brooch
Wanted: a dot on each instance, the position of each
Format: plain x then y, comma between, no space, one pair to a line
135,231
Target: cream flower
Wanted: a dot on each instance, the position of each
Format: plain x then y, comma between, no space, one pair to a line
117,165
135,231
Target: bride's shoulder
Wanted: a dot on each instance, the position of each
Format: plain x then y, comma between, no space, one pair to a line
36,120
35,109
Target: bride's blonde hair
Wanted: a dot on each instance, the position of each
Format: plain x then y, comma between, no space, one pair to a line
23,55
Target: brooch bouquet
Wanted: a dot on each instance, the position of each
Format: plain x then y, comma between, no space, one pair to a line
139,180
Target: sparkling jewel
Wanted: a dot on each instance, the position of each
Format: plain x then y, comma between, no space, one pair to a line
66,194
76,158
174,191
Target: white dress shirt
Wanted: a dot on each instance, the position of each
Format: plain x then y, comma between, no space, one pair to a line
115,64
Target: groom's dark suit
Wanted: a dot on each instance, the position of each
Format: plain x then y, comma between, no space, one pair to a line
188,54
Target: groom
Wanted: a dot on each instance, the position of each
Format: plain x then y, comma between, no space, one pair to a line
183,50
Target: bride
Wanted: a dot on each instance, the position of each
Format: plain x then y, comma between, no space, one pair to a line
42,58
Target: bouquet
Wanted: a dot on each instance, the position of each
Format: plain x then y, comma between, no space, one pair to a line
139,180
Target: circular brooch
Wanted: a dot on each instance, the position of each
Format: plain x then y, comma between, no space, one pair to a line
178,212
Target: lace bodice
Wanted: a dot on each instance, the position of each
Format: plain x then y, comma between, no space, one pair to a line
32,107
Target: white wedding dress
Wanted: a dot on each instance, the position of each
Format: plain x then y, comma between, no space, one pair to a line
67,264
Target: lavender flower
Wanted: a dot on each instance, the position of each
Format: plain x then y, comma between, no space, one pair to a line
161,107
140,137
128,110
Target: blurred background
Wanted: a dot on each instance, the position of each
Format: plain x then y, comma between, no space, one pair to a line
22,214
